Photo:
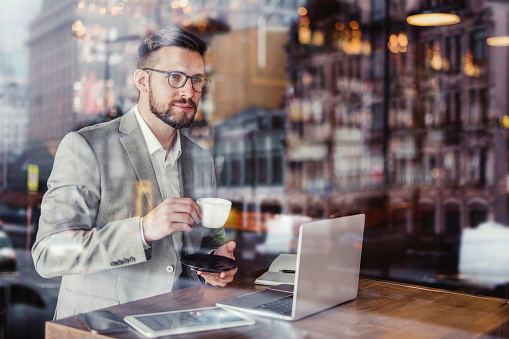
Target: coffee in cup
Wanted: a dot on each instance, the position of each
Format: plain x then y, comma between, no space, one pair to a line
215,211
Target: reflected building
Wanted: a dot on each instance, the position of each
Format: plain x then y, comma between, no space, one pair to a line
13,129
14,114
249,155
82,57
13,117
425,157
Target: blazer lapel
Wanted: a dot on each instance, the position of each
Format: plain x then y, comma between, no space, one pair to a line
135,146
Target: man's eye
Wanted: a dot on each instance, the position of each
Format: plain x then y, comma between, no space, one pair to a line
174,76
197,80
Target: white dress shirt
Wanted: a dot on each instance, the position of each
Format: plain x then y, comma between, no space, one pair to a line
167,174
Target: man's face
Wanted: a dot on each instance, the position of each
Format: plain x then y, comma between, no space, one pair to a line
174,106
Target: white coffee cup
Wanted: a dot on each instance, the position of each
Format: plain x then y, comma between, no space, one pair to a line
215,211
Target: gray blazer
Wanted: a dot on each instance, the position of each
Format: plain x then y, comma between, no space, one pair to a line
89,231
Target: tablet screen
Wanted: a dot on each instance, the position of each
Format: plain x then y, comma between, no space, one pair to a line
187,321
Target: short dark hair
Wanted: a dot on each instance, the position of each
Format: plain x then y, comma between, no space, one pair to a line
170,36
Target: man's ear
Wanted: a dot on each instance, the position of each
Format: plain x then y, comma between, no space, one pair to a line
141,80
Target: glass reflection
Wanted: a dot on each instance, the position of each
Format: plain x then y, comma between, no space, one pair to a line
316,109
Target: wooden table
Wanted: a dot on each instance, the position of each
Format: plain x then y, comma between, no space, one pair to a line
382,309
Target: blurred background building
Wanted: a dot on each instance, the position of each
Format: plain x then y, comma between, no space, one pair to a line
81,58
317,108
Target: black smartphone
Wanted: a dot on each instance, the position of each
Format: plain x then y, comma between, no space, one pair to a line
102,322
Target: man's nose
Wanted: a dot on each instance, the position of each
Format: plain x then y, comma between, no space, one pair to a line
187,90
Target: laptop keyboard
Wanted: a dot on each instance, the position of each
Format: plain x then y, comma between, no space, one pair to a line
281,306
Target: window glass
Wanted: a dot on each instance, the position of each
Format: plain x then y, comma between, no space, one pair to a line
316,109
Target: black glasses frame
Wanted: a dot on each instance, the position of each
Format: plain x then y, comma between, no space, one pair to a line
206,81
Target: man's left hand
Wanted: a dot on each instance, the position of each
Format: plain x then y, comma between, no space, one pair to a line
222,279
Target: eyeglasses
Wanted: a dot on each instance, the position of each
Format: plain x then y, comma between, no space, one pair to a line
178,79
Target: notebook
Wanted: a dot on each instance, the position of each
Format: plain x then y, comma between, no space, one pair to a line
281,271
327,272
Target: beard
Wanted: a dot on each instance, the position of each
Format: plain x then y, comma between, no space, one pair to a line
167,114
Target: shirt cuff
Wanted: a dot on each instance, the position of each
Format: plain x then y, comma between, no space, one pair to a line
145,245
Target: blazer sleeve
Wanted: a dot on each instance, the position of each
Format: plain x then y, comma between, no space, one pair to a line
68,240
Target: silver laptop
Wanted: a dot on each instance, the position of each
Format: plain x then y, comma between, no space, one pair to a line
327,274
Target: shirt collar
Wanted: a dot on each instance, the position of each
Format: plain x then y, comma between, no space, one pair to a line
153,144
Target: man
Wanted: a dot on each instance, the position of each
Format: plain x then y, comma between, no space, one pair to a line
119,210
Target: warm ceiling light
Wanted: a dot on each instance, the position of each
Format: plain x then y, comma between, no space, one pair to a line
302,11
498,41
354,25
433,19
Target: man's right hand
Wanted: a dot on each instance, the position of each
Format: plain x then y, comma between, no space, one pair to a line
172,215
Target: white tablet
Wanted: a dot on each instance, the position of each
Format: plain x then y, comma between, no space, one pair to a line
154,325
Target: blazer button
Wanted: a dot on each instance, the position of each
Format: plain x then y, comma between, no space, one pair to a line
113,263
120,262
132,259
169,269
125,261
